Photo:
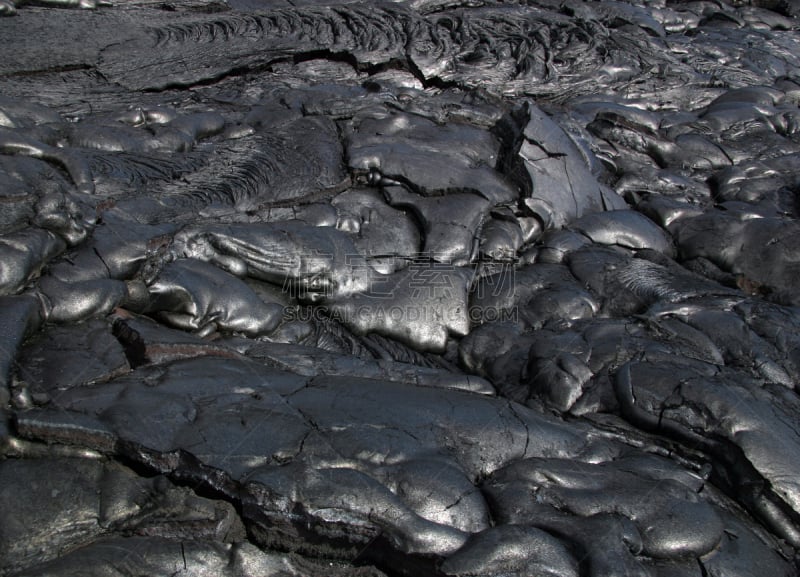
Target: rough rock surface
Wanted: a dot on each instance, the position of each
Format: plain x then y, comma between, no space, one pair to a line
404,288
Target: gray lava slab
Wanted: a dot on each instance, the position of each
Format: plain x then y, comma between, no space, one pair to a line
427,287
78,503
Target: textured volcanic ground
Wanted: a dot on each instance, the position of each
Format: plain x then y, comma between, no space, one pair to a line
415,288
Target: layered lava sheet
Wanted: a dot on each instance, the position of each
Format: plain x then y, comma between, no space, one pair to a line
411,288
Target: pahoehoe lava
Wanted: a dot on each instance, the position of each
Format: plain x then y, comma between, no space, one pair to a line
462,288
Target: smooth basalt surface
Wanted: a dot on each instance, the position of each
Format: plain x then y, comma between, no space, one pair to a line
405,288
